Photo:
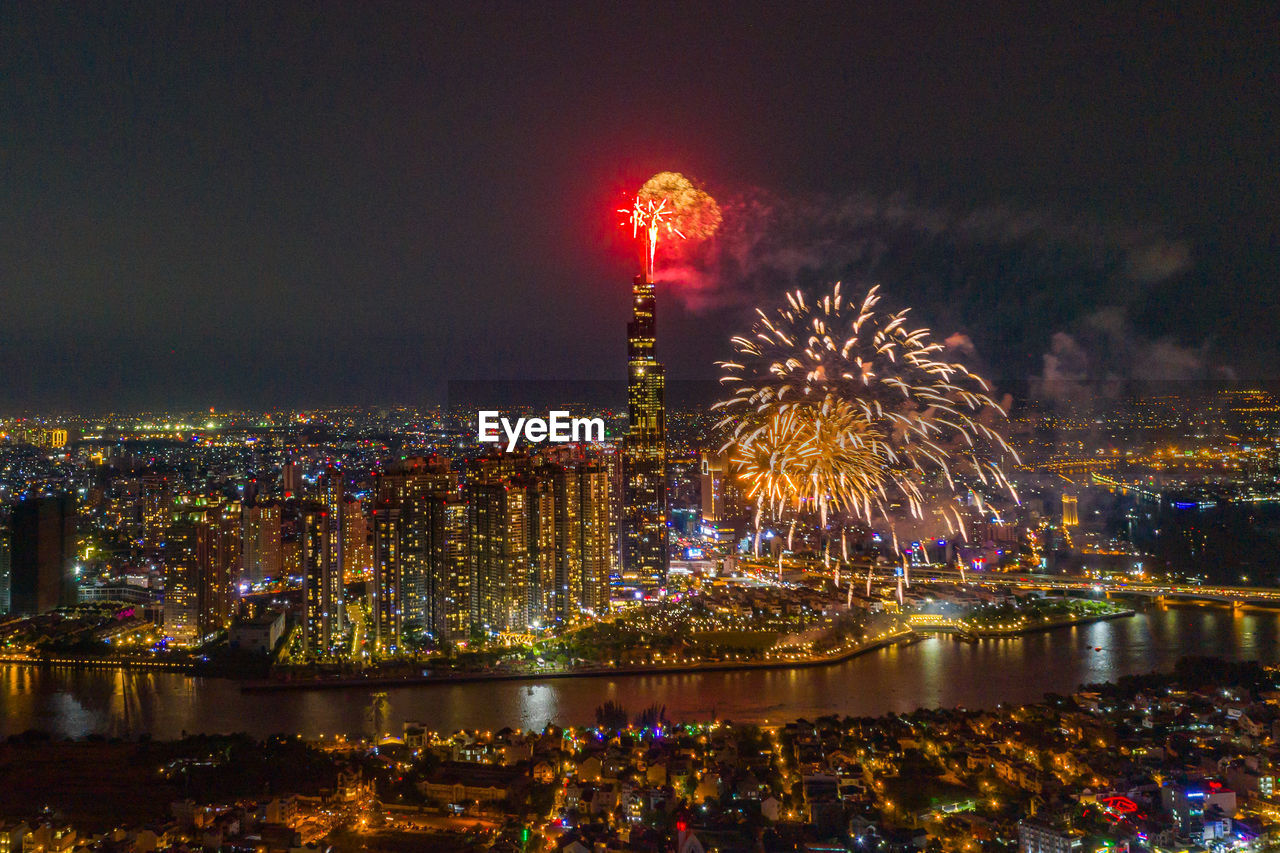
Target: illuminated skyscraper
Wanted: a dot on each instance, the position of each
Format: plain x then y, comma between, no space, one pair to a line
226,520
423,562
403,480
450,616
570,540
322,578
388,585
357,551
156,505
644,512
184,553
499,553
332,492
544,594
595,532
200,554
567,565
263,552
417,586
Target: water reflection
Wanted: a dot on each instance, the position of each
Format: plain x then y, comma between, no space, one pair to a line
938,672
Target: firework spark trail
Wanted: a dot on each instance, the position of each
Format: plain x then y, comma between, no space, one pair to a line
835,406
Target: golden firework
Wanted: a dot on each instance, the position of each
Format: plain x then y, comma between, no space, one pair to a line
835,406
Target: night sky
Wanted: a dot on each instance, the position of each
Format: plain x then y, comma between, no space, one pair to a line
308,204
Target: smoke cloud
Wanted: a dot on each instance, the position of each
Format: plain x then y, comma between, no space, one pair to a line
1035,295
1103,358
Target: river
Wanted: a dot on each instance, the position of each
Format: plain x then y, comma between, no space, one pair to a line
936,672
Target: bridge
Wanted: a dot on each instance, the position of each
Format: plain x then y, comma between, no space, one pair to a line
1236,596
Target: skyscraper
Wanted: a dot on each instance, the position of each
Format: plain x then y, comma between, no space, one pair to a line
388,581
322,579
185,551
263,554
42,554
155,504
595,535
544,594
418,578
644,512
499,555
200,555
357,553
419,548
452,610
583,542
332,494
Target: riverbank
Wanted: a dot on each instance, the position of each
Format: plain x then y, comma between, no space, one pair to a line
102,663
1048,625
381,682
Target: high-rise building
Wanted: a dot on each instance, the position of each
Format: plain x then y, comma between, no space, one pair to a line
291,479
499,553
226,520
42,554
644,512
388,581
182,585
201,554
357,550
263,552
186,555
402,480
417,582
567,503
595,538
451,610
422,562
583,538
332,495
545,592
324,602
156,505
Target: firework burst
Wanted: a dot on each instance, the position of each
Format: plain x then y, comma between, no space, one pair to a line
835,406
669,204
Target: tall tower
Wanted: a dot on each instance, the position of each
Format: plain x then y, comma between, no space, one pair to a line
644,461
672,205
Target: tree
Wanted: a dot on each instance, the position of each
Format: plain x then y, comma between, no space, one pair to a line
651,717
611,716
